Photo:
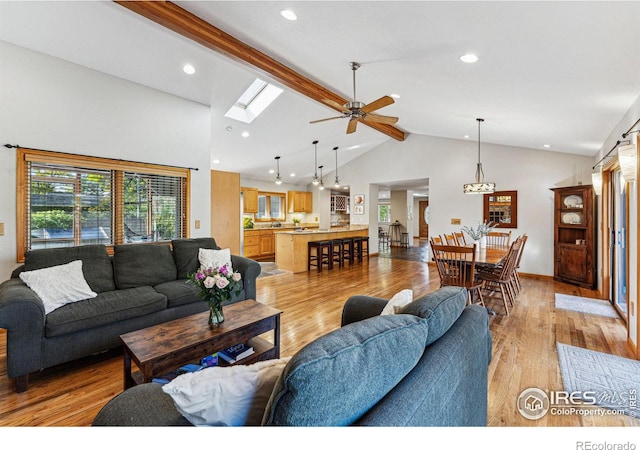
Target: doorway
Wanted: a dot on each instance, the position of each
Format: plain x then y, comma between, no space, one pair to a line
618,226
423,228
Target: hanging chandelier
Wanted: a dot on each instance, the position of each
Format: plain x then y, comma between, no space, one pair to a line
480,186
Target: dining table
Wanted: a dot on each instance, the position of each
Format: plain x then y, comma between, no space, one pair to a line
491,256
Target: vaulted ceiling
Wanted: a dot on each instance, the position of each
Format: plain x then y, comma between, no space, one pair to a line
555,73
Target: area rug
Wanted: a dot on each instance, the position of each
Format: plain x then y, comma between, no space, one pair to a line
613,382
268,269
585,305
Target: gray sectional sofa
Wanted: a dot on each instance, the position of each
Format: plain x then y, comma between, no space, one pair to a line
139,286
426,366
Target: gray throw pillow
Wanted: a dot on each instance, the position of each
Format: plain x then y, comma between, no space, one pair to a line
96,263
138,265
441,308
185,254
337,378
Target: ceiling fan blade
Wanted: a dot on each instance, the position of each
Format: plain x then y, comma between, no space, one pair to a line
380,119
377,104
329,118
334,105
351,126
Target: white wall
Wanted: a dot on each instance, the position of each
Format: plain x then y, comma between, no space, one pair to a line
51,104
450,163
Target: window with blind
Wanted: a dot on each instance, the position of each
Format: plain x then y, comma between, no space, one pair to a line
70,200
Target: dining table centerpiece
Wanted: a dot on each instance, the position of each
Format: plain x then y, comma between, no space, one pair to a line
215,285
479,234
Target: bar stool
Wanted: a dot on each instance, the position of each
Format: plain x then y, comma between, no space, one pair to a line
337,252
361,247
319,254
348,250
404,240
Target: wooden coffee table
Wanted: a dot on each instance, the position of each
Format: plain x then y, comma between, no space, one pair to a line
162,348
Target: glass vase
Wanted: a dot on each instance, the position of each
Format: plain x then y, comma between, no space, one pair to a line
216,316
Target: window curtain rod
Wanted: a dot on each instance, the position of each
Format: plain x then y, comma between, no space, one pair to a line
121,160
609,153
629,130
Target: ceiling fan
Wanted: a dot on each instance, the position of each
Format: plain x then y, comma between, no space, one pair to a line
357,111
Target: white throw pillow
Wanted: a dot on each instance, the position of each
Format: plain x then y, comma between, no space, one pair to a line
397,302
228,396
58,285
214,258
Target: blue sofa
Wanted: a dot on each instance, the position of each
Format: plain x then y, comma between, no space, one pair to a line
139,286
426,366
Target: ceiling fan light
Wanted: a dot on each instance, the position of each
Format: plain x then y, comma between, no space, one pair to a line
278,180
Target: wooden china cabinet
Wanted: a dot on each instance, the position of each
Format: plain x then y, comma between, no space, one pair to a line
575,235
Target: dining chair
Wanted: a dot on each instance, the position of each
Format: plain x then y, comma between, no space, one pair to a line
450,239
499,238
456,267
502,280
459,237
516,277
436,240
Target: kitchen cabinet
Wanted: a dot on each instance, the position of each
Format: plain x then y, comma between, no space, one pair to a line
299,201
574,236
250,200
259,244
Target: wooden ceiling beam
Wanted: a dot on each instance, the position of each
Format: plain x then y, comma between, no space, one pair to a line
192,27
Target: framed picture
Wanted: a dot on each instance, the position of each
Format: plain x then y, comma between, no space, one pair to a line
358,209
358,199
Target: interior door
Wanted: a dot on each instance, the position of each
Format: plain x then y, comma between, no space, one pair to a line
618,222
423,228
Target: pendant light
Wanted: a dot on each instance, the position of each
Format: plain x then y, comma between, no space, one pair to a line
315,180
596,181
337,180
321,185
627,156
278,178
479,187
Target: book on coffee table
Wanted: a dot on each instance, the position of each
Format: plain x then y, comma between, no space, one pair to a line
236,352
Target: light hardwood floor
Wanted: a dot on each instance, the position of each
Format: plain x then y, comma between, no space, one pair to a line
524,350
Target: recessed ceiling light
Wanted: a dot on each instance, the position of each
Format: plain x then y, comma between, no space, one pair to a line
272,171
293,174
216,161
288,14
546,146
346,187
466,136
395,95
245,134
469,58
188,69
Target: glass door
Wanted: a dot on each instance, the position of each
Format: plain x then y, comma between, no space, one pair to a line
618,222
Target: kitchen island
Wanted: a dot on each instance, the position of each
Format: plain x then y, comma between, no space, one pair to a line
292,250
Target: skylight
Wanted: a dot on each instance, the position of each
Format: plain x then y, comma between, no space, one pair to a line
253,101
